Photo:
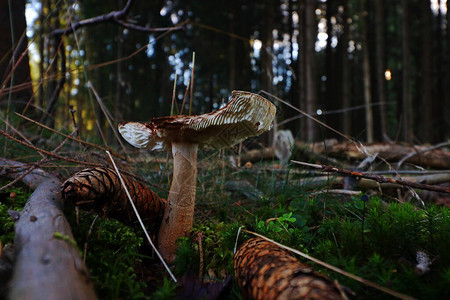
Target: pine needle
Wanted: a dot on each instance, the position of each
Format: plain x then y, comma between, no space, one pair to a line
138,216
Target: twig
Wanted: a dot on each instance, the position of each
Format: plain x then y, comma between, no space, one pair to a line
173,94
71,137
116,17
138,216
48,152
414,153
184,98
378,178
107,115
337,192
200,250
192,83
335,269
87,238
32,167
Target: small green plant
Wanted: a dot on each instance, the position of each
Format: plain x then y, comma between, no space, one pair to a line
12,199
112,256
166,291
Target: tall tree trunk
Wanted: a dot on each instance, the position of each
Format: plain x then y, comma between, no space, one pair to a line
13,43
406,91
380,65
267,49
447,80
309,78
346,122
440,92
425,130
232,44
119,97
332,101
41,46
366,74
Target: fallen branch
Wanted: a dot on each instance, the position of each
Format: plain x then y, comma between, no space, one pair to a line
47,264
377,178
117,17
71,137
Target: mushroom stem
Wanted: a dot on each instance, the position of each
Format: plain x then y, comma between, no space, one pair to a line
179,213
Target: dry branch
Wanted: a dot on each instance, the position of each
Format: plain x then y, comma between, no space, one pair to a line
378,178
433,158
118,17
265,271
13,169
48,264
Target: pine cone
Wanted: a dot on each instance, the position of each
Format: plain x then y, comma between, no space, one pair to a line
265,271
101,189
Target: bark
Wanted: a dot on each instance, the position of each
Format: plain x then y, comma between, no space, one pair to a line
309,68
366,74
346,81
380,67
265,271
48,265
407,128
13,44
418,155
426,119
14,169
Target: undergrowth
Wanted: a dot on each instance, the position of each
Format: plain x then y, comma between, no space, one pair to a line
377,239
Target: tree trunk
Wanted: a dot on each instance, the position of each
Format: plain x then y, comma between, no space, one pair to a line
346,122
379,24
13,43
425,117
267,49
366,74
406,91
309,68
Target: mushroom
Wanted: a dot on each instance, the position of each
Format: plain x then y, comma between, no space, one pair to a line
245,115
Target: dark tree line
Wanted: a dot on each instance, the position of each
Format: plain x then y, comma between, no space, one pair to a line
376,70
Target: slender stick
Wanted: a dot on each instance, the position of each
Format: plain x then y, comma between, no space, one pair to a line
138,216
173,94
184,98
48,152
71,137
336,269
377,178
192,83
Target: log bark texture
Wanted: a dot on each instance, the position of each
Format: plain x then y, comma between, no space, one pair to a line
47,265
265,271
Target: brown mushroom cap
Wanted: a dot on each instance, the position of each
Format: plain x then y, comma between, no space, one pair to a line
246,115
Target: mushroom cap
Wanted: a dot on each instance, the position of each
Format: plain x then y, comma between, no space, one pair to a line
245,115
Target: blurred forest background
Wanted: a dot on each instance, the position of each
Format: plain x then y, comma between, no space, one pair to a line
372,69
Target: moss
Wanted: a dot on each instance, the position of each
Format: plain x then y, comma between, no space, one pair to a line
13,198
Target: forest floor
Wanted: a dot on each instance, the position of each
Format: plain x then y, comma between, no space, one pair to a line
395,237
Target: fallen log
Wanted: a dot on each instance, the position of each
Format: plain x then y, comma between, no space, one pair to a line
30,175
47,264
423,156
47,261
